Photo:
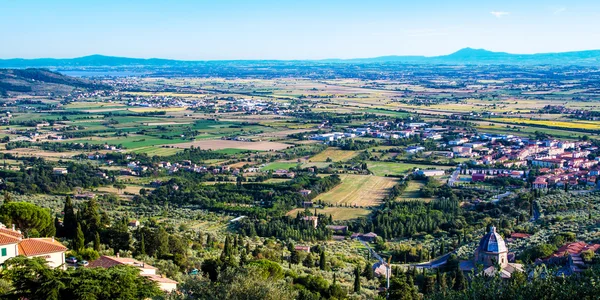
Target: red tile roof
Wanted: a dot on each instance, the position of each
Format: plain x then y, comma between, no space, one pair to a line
11,232
574,248
6,239
39,246
111,261
518,235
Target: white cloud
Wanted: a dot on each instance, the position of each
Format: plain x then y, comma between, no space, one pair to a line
500,14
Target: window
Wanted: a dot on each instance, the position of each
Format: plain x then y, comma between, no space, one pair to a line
3,251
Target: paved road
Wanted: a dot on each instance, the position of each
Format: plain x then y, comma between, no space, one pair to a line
454,177
436,263
373,253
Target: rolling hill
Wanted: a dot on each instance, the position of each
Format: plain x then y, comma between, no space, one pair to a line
41,82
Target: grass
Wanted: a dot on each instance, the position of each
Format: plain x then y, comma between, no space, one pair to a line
575,124
334,154
167,109
279,166
379,111
358,190
396,168
412,191
156,151
233,151
130,142
337,213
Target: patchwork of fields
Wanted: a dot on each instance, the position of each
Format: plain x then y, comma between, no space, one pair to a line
229,144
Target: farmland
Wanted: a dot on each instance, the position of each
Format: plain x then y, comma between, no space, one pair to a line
334,155
358,190
397,168
227,144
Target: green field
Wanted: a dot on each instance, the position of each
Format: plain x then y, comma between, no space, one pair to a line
156,151
393,168
279,166
130,142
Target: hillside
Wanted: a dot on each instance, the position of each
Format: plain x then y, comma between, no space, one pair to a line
40,82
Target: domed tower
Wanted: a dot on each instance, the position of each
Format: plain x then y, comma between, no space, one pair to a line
491,250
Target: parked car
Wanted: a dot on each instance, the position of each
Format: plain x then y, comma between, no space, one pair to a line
83,263
71,260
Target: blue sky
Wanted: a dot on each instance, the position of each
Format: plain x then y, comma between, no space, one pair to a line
307,29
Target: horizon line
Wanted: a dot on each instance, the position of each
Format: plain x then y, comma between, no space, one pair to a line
296,59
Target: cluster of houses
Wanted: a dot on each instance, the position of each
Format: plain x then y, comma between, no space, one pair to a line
385,130
13,244
559,162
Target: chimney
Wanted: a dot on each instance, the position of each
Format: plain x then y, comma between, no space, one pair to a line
13,227
117,254
53,239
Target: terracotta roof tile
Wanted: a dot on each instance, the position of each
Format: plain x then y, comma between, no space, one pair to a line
11,232
111,261
39,246
6,239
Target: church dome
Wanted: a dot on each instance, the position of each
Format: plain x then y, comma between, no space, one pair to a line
492,242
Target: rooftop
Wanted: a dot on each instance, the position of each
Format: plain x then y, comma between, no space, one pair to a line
492,242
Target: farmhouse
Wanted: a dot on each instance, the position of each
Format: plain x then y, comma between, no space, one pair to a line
367,237
59,171
13,244
165,284
305,193
302,248
312,219
339,229
429,173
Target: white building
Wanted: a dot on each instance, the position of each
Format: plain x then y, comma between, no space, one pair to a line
165,284
13,244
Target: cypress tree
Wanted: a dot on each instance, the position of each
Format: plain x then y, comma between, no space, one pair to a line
460,282
368,272
142,245
322,261
357,279
79,239
97,242
69,220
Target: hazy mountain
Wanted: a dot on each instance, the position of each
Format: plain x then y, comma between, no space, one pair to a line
463,56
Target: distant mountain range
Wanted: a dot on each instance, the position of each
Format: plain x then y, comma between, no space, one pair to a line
466,56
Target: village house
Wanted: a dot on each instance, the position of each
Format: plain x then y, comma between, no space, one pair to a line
13,244
338,229
312,219
571,256
367,237
165,284
302,248
59,171
305,193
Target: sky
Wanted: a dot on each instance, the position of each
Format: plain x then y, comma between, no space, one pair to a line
306,29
